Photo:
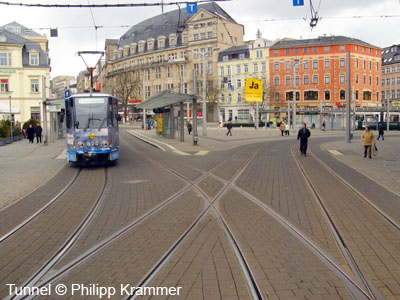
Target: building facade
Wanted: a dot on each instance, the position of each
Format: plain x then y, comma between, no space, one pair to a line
235,64
62,83
161,53
24,62
321,70
391,77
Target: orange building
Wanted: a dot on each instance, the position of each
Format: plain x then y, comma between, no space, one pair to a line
321,69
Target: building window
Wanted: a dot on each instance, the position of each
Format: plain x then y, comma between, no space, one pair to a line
342,63
34,59
356,62
327,79
277,96
296,50
306,80
383,95
3,59
239,97
342,78
356,78
342,94
202,35
222,98
370,65
243,115
225,58
229,70
383,82
289,96
209,68
393,94
246,68
221,36
398,94
276,66
311,95
238,83
305,50
377,66
238,69
387,81
276,51
209,34
287,65
364,64
255,67
393,80
327,95
306,64
221,71
4,86
263,67
315,79
341,47
297,81
367,95
229,98
356,94
315,49
276,81
370,80
196,36
315,64
327,48
259,54
364,79
147,89
327,63
35,85
398,80
287,80
287,51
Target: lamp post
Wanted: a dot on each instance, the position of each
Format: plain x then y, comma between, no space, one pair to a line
11,124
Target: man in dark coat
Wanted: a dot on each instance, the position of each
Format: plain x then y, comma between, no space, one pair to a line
189,127
38,131
381,132
303,136
229,127
30,132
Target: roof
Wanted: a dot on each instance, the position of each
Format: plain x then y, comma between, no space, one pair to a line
24,30
389,54
234,50
111,42
167,23
165,99
28,45
322,40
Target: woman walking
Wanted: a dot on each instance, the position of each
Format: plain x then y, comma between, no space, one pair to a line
369,139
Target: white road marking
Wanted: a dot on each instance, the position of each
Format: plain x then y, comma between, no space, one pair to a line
335,152
63,155
202,152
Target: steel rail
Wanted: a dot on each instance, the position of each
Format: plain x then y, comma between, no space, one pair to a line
40,210
70,241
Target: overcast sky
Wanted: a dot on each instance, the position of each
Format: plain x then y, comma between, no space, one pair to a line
252,14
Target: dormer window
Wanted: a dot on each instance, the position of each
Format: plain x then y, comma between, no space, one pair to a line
150,44
34,59
133,48
161,42
141,46
120,51
115,56
172,40
126,51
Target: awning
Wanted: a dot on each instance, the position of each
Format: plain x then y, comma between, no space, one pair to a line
165,99
5,109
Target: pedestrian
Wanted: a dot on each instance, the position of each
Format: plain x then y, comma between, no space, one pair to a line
381,132
369,139
323,126
287,129
149,124
282,127
313,126
38,131
189,127
303,136
143,125
229,127
30,132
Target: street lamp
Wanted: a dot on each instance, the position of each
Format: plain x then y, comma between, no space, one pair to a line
203,54
11,124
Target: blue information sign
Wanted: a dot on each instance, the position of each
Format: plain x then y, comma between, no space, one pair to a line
191,7
298,2
67,93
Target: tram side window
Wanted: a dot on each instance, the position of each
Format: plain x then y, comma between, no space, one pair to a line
115,113
68,114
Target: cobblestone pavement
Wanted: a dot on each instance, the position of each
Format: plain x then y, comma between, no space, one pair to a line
205,263
373,241
29,248
24,167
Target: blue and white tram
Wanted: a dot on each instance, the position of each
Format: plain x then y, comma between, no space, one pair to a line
92,127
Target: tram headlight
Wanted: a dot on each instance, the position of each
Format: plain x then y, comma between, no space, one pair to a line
81,145
104,144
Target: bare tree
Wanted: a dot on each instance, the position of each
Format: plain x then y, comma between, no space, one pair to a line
127,87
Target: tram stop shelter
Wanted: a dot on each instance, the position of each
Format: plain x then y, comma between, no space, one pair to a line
169,116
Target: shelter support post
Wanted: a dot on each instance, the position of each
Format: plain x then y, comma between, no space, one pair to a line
172,122
182,123
194,109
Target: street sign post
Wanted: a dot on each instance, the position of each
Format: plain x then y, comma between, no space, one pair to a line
254,92
67,93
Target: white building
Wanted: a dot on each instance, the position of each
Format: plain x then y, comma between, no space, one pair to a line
24,61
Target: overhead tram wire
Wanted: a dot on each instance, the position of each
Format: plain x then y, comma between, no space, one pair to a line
117,5
94,23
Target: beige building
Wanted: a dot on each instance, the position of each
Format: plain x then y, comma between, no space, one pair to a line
163,51
391,78
61,83
235,64
24,62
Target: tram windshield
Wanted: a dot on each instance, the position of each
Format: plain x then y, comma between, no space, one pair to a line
91,113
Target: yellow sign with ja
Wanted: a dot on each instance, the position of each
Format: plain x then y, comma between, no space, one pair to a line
254,90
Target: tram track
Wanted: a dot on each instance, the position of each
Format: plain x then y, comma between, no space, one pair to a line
82,258
364,283
40,210
68,242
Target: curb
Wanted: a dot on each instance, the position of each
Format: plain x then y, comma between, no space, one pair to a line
145,140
